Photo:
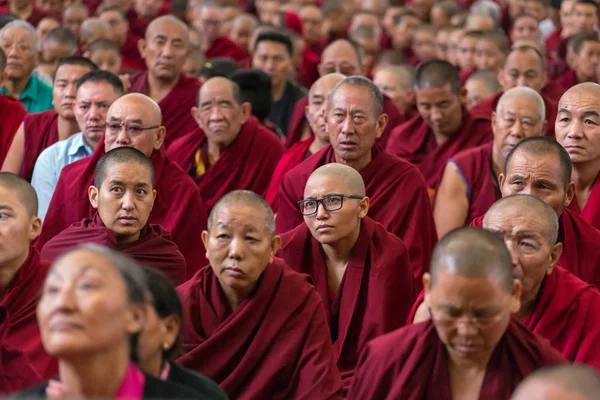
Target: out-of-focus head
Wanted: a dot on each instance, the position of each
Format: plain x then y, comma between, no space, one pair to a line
255,88
45,26
118,23
68,73
405,25
369,42
229,14
481,23
50,7
58,44
106,55
525,27
194,63
241,30
585,16
453,40
422,8
269,12
208,21
441,42
442,12
524,66
396,82
93,29
537,8
562,382
318,97
312,21
480,86
586,55
377,7
272,54
423,44
391,13
390,57
73,17
491,51
466,50
343,57
219,66
148,9
20,43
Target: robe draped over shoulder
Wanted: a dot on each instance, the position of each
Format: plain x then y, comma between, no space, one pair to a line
12,113
41,131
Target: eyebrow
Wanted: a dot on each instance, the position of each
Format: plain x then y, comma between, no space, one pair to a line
591,113
4,207
564,110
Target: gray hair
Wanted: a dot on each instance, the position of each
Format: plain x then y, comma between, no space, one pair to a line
521,91
487,8
360,81
23,25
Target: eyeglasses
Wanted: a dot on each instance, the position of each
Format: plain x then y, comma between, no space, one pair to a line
476,321
115,127
331,202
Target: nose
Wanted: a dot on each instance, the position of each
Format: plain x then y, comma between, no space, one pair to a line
436,115
94,113
466,327
322,213
348,125
123,138
521,81
575,130
71,90
517,129
216,114
167,50
127,203
235,249
65,299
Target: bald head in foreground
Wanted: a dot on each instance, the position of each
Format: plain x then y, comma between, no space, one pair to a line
565,382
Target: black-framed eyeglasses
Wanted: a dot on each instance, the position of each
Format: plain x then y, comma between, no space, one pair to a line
331,202
114,127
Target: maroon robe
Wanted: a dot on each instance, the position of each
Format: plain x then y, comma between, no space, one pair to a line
414,142
553,91
309,70
556,47
591,210
225,47
154,247
412,364
375,295
175,106
40,132
567,79
275,345
247,163
399,201
23,360
12,113
178,207
130,55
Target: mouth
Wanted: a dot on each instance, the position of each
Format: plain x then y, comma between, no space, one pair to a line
574,147
64,326
127,220
466,348
233,271
324,227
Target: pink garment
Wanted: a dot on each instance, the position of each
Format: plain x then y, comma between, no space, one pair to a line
132,387
164,375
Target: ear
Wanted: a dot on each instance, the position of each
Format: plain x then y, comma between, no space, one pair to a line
160,137
141,45
501,180
246,108
275,245
515,298
555,254
194,112
306,111
137,319
462,96
93,196
204,237
171,326
363,207
35,228
153,197
382,122
494,115
427,288
570,193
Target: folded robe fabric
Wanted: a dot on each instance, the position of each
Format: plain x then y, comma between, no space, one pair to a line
591,211
40,132
12,113
275,345
225,47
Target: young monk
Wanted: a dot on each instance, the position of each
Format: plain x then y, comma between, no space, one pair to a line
23,360
11,112
254,325
561,382
471,348
367,291
105,54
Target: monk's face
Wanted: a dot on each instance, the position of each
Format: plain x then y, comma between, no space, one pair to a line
240,33
390,84
340,58
84,307
125,199
73,17
21,53
45,26
477,91
53,51
118,25
274,60
578,125
209,23
107,60
312,20
239,246
165,49
523,68
317,107
525,28
440,108
586,61
424,45
91,108
488,55
465,53
63,90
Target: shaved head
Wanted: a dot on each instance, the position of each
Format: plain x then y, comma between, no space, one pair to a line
341,172
341,56
94,29
154,112
324,84
245,198
26,192
121,155
563,382
588,89
437,74
525,93
220,82
160,23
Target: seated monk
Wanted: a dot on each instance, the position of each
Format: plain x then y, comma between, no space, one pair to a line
586,52
361,271
164,80
396,82
231,150
471,348
398,194
23,360
524,66
123,195
576,382
253,325
127,42
11,112
555,304
134,120
41,130
578,114
315,110
443,128
541,167
343,57
469,185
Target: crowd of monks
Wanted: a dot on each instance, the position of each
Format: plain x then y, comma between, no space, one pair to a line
360,199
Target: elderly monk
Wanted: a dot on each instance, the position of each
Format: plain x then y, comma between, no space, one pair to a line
398,194
343,57
470,185
578,116
232,150
315,112
134,120
285,351
23,360
40,130
471,348
573,382
443,128
524,66
11,112
123,195
165,48
366,290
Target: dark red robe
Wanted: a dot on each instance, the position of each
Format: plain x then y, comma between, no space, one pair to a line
309,70
591,211
12,113
247,163
154,248
130,55
553,91
375,295
556,47
399,201
178,207
23,360
175,107
40,132
567,79
412,364
414,142
275,345
225,47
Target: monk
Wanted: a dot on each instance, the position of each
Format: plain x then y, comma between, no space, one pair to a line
165,48
471,348
231,150
575,382
134,120
11,112
285,351
586,54
315,111
125,40
578,113
40,130
123,195
396,82
366,290
398,194
470,185
480,86
342,57
23,360
442,128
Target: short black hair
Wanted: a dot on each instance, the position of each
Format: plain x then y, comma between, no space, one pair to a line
499,39
578,40
101,76
104,44
255,87
398,18
62,35
26,193
124,154
218,66
526,48
278,37
589,2
437,74
78,60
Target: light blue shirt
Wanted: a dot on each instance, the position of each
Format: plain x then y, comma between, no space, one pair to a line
51,162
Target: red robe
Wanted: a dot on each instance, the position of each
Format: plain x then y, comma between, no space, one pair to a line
178,207
553,91
591,211
412,364
40,131
154,248
485,108
12,113
130,55
556,47
175,107
399,201
415,142
275,345
247,163
225,47
567,79
23,360
375,295
309,70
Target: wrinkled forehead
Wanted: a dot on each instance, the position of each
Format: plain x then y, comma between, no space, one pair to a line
130,110
18,35
580,101
524,106
523,60
240,216
339,55
81,263
535,166
169,30
515,219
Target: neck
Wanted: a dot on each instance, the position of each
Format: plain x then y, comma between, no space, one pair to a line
92,143
159,88
154,366
340,252
279,90
215,149
9,270
497,161
121,239
468,365
15,87
21,13
206,44
359,164
581,78
317,145
67,127
236,297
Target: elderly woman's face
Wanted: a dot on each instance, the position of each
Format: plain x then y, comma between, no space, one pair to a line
84,307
